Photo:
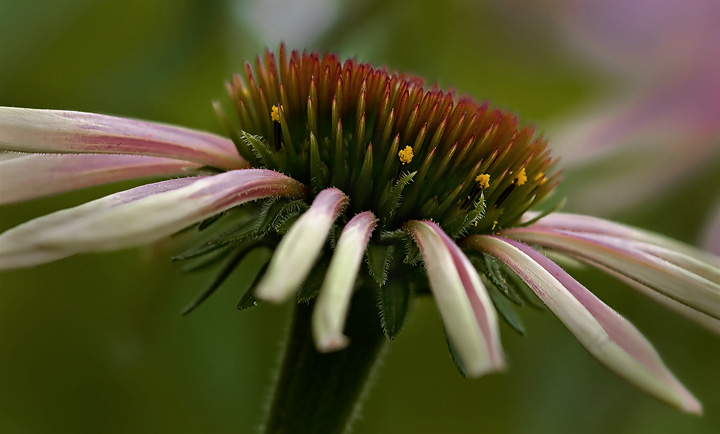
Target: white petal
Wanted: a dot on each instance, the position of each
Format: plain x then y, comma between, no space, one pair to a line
30,130
32,176
140,215
621,255
602,331
333,301
300,247
467,313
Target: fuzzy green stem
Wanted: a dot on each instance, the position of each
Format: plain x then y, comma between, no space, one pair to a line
318,393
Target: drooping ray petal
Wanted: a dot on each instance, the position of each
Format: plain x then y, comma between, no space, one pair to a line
467,313
31,130
334,299
609,337
583,223
684,256
621,255
140,215
477,293
32,176
300,247
698,317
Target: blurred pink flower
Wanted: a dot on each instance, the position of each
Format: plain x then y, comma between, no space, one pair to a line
662,123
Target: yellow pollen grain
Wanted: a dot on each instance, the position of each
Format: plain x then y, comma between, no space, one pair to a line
495,223
539,176
406,155
483,180
275,113
522,177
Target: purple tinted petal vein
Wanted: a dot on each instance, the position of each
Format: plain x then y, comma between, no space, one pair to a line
619,330
461,263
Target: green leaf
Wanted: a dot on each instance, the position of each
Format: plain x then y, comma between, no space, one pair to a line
455,358
412,252
378,257
523,290
225,270
364,182
197,251
318,170
389,201
210,220
204,262
275,215
244,227
232,132
261,149
498,276
394,301
461,224
506,310
311,286
248,300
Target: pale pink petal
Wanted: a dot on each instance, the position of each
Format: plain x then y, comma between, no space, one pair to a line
706,321
333,302
594,225
140,215
37,175
467,312
31,130
603,332
300,247
618,254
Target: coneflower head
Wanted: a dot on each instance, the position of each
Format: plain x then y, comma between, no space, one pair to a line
396,148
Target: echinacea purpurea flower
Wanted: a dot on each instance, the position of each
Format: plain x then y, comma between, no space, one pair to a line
353,177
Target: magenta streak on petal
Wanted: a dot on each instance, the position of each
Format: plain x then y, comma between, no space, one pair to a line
141,215
610,320
363,222
32,176
28,130
692,289
619,330
143,135
583,223
657,255
237,185
710,323
333,301
462,264
594,225
148,190
330,201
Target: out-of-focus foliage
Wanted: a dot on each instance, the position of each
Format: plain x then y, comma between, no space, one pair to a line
95,344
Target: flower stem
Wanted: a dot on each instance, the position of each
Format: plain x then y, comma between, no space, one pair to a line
318,393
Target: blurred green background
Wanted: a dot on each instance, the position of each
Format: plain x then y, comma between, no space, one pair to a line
95,343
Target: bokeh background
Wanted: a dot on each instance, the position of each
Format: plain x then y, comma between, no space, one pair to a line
96,344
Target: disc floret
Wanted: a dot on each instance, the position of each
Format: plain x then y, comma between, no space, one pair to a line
369,133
